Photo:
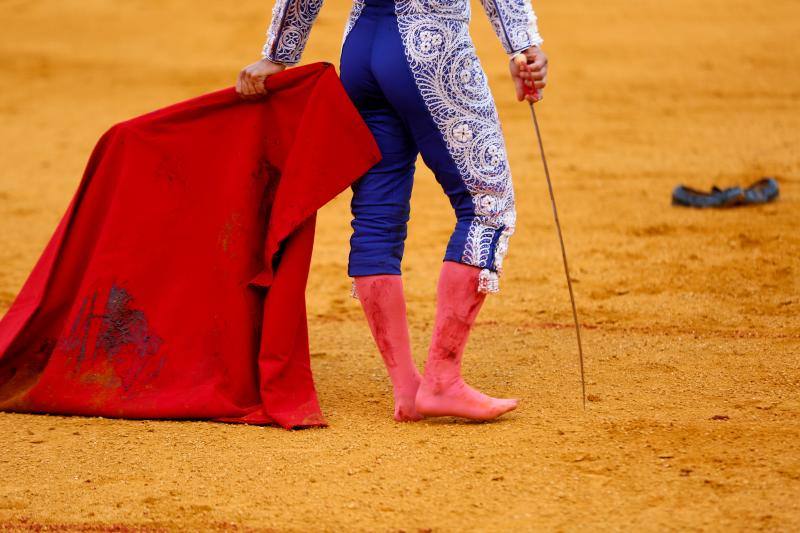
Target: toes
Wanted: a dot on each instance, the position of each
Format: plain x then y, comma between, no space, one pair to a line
508,405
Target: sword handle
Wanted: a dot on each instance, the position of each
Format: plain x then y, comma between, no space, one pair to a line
528,90
533,91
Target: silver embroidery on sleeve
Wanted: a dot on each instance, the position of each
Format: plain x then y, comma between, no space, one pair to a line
514,22
447,72
288,32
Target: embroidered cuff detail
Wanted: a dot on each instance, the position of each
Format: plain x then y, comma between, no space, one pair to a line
488,282
288,32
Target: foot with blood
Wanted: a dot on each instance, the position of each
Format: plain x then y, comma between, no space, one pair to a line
443,391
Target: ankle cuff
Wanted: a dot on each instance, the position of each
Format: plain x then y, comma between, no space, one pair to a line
488,281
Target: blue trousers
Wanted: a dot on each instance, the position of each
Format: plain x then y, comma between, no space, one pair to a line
378,77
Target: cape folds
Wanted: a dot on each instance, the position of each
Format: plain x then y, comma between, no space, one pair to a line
174,285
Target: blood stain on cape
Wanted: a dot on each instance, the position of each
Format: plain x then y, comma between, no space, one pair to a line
124,342
123,326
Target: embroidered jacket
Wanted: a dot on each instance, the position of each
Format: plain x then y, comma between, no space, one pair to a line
513,21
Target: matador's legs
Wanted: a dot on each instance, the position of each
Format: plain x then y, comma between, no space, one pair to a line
377,77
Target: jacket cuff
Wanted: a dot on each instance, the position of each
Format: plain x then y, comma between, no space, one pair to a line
267,53
535,40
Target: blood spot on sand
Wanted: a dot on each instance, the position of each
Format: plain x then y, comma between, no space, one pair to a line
654,230
566,325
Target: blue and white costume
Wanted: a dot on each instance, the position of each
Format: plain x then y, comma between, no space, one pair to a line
411,70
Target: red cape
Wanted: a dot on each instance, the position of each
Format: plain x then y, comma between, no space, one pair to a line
174,285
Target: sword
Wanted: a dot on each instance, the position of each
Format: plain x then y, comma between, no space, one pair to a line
520,59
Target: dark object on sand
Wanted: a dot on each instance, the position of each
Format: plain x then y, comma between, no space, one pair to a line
763,191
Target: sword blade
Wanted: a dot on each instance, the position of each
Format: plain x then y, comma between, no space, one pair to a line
563,252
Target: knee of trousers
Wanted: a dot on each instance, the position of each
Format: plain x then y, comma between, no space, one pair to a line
476,244
377,242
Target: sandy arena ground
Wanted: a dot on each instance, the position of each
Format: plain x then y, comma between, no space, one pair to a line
692,326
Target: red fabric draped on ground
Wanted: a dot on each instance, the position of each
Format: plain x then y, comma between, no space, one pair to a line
174,285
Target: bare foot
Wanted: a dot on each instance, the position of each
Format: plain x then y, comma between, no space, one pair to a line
405,405
459,399
406,413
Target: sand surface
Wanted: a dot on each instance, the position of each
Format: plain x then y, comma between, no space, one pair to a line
692,326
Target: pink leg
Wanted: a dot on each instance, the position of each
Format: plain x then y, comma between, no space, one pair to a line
443,391
385,308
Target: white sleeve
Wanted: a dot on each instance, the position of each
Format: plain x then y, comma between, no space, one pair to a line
514,22
288,32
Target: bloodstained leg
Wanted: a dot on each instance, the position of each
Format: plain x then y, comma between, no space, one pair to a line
443,391
384,305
